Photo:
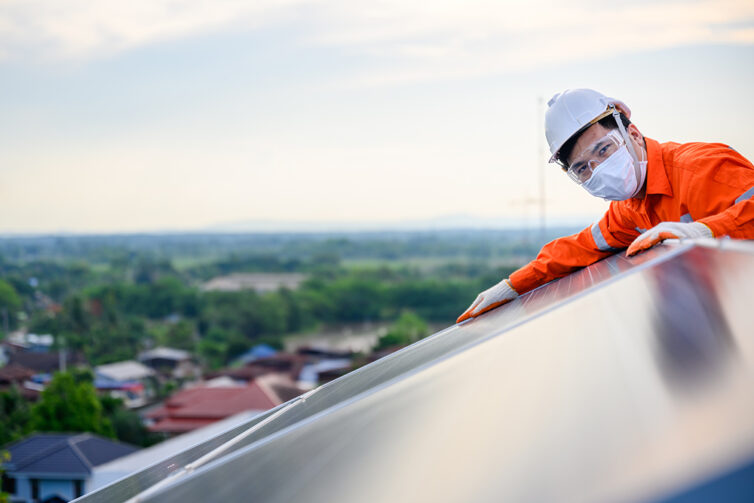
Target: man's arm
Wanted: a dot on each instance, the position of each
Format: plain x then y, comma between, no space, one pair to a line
722,189
558,258
564,255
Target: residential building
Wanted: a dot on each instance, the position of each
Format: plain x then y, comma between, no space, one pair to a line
171,362
57,467
19,376
202,405
133,382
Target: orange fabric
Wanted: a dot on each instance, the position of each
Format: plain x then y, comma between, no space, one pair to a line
703,180
648,243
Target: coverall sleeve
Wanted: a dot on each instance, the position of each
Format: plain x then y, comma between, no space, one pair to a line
730,195
564,255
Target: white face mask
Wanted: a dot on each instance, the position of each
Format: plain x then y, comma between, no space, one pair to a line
617,178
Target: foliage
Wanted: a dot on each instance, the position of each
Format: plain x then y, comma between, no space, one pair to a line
69,404
127,424
4,458
9,304
408,329
8,297
14,415
111,297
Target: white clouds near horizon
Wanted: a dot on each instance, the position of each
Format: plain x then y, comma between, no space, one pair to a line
414,40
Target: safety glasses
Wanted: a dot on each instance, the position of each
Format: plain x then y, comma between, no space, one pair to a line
583,165
610,110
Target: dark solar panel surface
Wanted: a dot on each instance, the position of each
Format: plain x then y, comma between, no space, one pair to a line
626,371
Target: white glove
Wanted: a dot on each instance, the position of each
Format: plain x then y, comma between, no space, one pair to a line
500,294
668,230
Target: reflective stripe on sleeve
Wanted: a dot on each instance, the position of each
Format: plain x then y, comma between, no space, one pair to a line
745,195
599,239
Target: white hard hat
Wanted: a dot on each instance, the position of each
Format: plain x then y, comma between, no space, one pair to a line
572,110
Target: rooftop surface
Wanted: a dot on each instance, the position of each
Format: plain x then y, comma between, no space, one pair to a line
70,454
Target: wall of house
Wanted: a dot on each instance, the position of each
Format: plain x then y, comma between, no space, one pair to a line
65,488
62,488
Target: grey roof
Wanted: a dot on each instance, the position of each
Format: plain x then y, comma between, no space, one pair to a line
73,454
165,353
629,380
124,371
131,463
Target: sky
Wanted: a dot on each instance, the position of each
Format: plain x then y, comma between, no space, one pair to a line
182,115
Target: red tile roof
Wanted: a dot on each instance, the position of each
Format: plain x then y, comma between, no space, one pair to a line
195,407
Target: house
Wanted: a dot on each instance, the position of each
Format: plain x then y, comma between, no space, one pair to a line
303,367
19,376
133,382
57,467
202,405
171,362
47,362
257,352
32,342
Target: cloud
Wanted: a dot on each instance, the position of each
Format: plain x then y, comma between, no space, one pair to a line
80,29
404,41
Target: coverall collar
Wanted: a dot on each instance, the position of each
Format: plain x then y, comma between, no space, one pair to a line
657,176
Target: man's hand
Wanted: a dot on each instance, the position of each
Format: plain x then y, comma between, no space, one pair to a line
500,294
668,230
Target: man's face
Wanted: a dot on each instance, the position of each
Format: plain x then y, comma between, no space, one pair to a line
588,137
597,131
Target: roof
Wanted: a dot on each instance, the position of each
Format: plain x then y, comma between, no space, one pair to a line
165,354
201,405
14,372
124,371
130,463
629,380
65,453
46,362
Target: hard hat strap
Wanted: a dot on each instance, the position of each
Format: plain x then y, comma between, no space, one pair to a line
629,143
624,133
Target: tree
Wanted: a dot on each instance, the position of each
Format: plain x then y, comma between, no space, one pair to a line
14,415
408,329
69,404
127,424
181,336
4,458
9,304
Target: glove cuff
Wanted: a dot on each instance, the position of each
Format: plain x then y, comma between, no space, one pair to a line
707,229
510,285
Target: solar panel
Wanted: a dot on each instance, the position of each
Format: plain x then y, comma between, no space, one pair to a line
627,380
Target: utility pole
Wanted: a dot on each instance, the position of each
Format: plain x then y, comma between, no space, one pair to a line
541,164
61,353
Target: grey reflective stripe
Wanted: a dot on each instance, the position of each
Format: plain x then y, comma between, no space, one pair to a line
599,239
686,218
640,230
745,195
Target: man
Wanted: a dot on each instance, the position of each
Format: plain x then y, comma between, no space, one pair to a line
677,191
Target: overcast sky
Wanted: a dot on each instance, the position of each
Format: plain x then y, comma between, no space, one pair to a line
177,114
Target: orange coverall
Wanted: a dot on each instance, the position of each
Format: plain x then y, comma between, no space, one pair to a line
703,182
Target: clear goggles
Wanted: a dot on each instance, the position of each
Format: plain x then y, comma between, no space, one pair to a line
585,162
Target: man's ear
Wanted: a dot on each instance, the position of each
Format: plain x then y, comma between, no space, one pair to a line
634,133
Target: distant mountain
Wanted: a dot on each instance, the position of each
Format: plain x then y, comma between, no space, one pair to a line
447,222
